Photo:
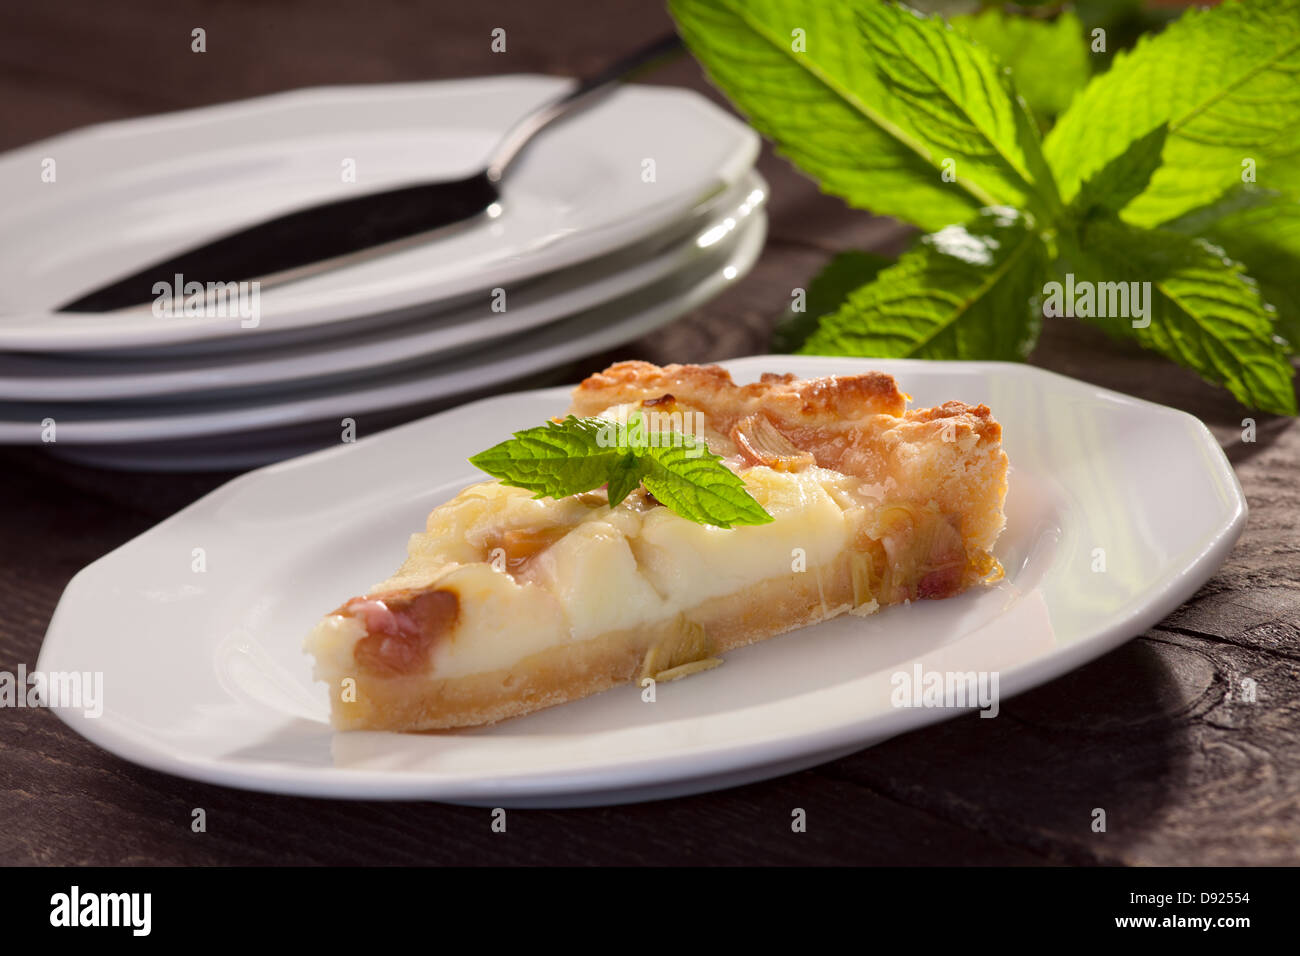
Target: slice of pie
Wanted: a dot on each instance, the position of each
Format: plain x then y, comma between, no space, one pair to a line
509,603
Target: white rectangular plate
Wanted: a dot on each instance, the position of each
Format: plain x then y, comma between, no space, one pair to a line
204,675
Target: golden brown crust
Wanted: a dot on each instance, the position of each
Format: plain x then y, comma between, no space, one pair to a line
710,388
854,424
979,418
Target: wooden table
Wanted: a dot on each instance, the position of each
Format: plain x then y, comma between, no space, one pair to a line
1145,732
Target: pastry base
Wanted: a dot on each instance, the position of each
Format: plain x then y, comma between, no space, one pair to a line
572,671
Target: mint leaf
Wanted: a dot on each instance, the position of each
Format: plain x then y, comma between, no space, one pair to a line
1262,232
955,98
700,487
1238,199
807,78
1267,241
566,458
633,435
901,113
1048,59
961,293
1223,79
1204,312
825,294
1125,177
556,459
624,476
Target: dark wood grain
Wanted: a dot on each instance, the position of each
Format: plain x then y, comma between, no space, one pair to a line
1186,772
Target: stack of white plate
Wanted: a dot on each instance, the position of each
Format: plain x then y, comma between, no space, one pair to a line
613,223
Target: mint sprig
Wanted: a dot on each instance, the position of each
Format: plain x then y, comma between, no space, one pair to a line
565,458
911,117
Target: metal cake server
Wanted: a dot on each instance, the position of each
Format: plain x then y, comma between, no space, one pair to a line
327,236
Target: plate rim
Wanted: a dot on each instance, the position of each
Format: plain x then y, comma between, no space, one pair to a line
729,262
673,254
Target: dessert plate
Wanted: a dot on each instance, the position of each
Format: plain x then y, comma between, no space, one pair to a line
204,676
584,334
37,378
128,193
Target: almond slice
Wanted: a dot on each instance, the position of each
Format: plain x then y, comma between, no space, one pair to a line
761,444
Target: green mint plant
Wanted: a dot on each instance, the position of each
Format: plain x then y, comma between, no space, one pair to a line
1175,173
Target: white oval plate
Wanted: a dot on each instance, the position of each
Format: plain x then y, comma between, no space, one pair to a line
129,193
204,675
600,328
57,378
